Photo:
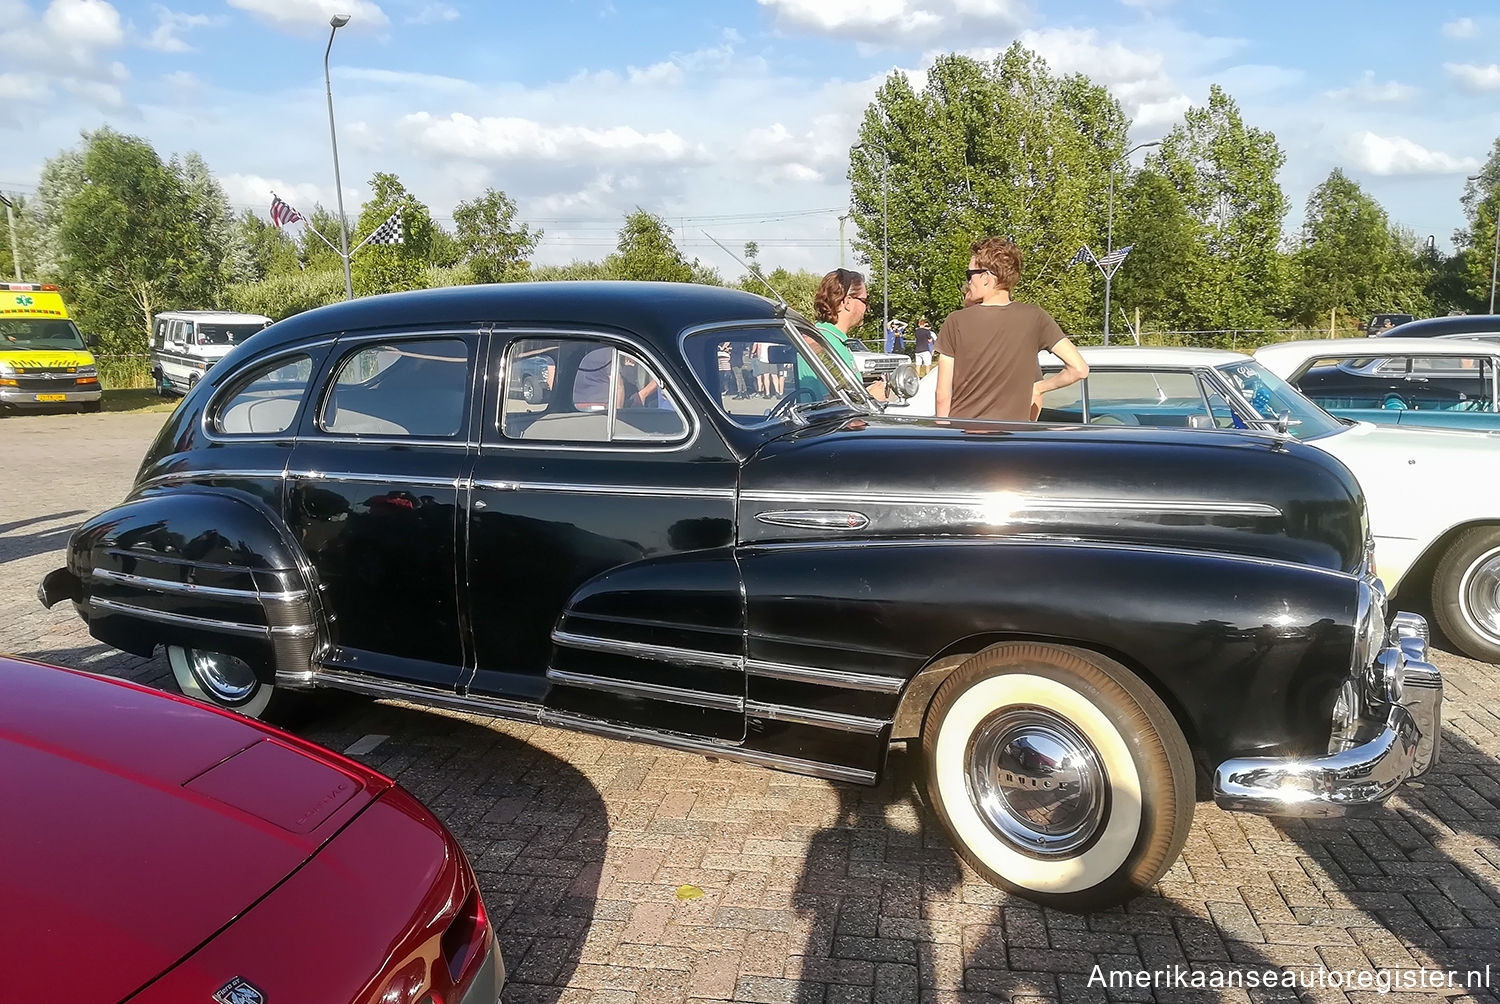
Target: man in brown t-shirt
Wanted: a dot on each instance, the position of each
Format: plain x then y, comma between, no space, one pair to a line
987,366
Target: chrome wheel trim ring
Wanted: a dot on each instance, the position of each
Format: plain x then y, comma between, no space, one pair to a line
1036,781
1479,594
223,677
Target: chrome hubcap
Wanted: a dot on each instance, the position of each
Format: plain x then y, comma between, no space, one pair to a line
228,679
1479,594
1036,781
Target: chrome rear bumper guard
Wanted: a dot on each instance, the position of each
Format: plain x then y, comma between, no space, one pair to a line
1366,775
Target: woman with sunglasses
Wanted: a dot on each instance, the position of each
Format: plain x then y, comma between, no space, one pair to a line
987,365
840,304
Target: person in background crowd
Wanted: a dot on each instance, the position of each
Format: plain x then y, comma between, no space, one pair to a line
893,339
840,304
742,360
987,363
923,338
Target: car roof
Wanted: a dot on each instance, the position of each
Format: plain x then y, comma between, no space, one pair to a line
1155,355
1429,326
659,309
1373,348
227,316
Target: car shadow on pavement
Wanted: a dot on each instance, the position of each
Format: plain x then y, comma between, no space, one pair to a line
534,827
1410,892
14,547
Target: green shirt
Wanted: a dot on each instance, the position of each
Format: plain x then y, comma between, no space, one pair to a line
836,338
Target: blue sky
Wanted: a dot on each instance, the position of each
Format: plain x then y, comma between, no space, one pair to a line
733,116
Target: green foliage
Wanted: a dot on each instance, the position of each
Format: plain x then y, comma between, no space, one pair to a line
573,271
1479,258
1158,276
7,258
314,254
1006,149
797,288
646,252
388,268
226,256
283,294
1226,175
444,251
489,240
271,251
1482,186
41,226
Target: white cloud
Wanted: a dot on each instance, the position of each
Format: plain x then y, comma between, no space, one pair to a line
295,15
1479,79
168,24
91,24
496,140
901,22
65,49
1368,89
667,74
1397,155
255,190
432,13
403,79
1464,27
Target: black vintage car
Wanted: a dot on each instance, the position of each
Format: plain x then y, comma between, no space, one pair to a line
1064,618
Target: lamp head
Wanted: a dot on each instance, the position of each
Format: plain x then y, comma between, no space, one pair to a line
339,20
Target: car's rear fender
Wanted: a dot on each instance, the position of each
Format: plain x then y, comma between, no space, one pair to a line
200,567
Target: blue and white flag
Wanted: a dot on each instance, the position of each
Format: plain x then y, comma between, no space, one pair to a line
1116,256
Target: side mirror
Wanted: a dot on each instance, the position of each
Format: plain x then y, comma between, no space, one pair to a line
1285,421
901,383
92,341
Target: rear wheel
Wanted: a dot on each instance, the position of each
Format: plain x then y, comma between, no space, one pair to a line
1060,775
529,390
1466,593
222,680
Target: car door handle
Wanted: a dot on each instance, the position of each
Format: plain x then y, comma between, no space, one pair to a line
481,504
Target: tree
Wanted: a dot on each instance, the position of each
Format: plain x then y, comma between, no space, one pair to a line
1346,255
7,256
1480,252
271,250
1161,277
489,240
129,249
646,251
315,253
1226,175
797,288
40,229
1483,185
1005,148
226,255
387,268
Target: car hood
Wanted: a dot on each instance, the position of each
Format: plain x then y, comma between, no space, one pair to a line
139,825
1242,492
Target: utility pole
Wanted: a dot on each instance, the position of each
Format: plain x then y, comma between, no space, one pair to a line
15,248
842,220
1109,237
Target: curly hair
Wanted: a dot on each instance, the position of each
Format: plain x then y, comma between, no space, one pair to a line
831,292
1000,258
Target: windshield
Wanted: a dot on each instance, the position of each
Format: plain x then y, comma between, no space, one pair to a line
39,333
226,334
762,374
1270,397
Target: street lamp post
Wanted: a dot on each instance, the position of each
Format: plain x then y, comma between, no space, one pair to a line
842,220
1109,237
336,22
1494,261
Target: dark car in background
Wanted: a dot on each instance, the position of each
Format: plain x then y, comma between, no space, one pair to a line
1064,617
1385,324
1459,324
162,851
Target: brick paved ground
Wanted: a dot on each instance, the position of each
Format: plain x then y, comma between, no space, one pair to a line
620,873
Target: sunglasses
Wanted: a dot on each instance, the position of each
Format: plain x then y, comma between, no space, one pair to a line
976,271
862,299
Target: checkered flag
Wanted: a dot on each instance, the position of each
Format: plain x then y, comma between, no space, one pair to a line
1083,255
389,232
282,213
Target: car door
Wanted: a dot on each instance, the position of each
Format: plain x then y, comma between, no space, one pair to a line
601,571
1451,392
373,496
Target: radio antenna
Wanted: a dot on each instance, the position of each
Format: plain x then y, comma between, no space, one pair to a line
753,270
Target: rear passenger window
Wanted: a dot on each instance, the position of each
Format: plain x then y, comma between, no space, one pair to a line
414,388
265,403
584,391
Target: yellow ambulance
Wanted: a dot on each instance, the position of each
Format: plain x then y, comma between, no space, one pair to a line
44,362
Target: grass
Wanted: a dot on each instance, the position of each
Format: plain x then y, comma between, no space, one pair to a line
137,400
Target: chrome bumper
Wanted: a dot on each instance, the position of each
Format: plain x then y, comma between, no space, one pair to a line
28,398
1364,775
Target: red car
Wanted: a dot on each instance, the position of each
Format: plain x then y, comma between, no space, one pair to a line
157,850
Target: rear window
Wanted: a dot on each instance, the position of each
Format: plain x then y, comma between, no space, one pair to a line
265,402
405,388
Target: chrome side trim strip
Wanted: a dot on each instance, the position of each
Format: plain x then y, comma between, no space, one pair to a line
690,744
634,491
214,475
825,677
1013,503
812,716
377,479
651,691
640,650
376,687
816,519
207,623
193,589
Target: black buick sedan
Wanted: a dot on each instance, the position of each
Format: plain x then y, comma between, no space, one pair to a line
1063,617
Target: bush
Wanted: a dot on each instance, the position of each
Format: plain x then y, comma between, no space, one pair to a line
123,372
279,296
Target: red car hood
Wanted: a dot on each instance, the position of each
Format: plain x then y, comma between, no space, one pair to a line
137,825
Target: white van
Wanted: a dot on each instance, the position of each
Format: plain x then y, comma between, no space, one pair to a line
185,343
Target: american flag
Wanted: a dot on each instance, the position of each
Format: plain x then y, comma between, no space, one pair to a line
1116,256
388,232
1083,255
281,213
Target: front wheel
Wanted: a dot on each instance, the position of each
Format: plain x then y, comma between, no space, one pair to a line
1466,593
222,680
1059,774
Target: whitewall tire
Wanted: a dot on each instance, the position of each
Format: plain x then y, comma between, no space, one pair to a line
1466,593
1060,775
221,680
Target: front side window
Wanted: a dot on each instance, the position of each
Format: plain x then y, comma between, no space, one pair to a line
265,402
757,375
1271,398
225,334
416,388
582,390
1160,398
